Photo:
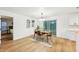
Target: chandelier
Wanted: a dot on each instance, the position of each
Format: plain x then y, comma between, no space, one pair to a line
42,18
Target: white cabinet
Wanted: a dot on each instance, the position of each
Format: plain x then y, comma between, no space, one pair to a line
70,35
74,19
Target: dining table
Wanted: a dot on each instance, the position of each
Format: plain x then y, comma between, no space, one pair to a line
45,34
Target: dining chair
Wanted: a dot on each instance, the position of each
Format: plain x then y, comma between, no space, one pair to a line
38,35
49,36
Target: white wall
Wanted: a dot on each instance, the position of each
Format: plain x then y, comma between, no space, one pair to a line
61,26
19,25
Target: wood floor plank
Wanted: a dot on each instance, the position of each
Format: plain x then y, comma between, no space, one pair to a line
28,45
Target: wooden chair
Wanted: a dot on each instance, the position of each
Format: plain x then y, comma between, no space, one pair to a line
38,35
35,32
49,36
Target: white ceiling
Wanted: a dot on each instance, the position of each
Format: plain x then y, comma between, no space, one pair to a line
36,11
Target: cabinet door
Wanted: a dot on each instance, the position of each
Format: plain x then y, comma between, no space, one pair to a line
71,35
73,20
78,19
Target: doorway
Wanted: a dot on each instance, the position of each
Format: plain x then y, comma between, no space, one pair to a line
6,29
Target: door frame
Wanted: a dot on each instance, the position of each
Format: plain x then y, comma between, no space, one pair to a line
12,25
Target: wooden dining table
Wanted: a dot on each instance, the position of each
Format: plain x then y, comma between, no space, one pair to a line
47,34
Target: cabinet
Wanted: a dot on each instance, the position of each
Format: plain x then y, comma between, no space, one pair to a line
73,27
74,20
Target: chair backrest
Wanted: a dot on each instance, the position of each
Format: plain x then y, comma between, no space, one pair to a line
38,33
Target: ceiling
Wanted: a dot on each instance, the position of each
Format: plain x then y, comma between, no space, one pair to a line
36,11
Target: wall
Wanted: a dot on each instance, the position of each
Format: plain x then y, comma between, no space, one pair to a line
19,25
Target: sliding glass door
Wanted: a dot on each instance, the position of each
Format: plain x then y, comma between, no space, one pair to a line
50,25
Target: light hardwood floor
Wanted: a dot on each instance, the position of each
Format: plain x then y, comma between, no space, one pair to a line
28,45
